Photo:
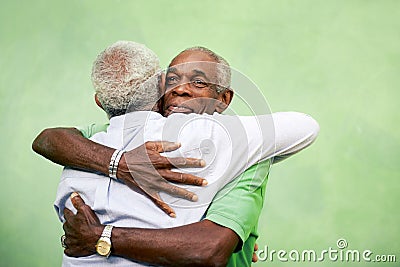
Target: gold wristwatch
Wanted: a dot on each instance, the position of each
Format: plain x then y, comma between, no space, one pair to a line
103,246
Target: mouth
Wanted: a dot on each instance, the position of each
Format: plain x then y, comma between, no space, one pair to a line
178,109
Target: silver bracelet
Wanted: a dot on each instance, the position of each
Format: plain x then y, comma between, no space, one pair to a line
113,167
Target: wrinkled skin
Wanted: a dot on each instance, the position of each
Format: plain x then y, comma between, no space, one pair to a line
147,169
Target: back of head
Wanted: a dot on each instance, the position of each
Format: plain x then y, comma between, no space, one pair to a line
124,75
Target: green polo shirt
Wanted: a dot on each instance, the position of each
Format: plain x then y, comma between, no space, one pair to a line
237,206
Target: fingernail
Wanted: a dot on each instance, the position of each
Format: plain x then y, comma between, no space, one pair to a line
74,194
202,163
173,215
195,198
178,144
205,182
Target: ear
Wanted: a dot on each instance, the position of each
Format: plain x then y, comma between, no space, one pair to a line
161,83
224,99
161,89
98,102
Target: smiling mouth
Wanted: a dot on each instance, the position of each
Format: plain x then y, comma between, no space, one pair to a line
179,109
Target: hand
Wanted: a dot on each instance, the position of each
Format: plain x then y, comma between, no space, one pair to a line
81,230
255,257
145,168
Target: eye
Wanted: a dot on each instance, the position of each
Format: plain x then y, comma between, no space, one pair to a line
199,83
171,80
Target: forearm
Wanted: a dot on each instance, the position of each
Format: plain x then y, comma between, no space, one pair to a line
200,244
67,147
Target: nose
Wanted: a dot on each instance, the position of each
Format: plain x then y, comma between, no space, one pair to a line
182,89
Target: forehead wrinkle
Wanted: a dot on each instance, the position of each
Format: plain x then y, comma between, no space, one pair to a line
187,69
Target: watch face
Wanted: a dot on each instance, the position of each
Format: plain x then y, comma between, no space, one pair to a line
103,247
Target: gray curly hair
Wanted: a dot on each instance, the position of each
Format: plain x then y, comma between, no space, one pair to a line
126,75
223,79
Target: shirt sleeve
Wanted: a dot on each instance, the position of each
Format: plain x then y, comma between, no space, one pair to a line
90,130
238,205
294,131
279,134
257,138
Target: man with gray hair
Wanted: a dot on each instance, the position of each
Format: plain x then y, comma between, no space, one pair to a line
121,67
113,211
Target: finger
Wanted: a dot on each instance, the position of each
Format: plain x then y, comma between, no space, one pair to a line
65,227
68,230
179,192
77,201
155,197
67,252
186,162
162,146
84,210
68,214
67,241
183,178
254,258
70,252
162,205
90,216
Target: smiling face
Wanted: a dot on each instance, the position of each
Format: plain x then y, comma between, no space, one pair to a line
191,87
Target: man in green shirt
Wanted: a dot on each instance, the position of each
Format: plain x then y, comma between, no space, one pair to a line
228,224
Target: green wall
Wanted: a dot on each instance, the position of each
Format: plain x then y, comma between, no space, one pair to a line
336,60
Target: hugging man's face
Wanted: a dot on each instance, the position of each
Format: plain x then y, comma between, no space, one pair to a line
190,85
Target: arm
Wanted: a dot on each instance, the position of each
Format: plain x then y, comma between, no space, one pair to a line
199,244
294,131
68,147
189,245
279,135
247,140
242,216
147,169
209,242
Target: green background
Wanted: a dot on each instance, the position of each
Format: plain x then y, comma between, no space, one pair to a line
336,60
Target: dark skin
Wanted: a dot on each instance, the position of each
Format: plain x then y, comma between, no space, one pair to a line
145,163
209,243
158,246
189,86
